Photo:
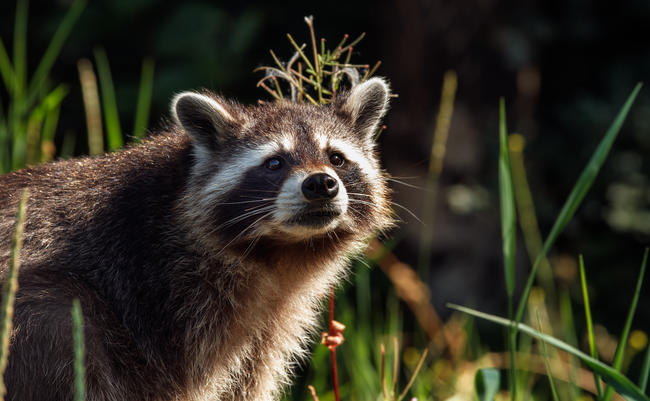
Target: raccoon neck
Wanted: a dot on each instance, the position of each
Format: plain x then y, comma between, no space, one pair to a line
247,321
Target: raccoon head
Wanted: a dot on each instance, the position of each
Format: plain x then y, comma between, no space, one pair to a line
285,171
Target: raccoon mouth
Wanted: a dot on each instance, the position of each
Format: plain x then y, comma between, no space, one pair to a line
316,218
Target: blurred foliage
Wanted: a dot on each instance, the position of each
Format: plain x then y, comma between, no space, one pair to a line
564,67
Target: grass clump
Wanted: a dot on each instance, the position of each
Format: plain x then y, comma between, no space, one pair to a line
28,121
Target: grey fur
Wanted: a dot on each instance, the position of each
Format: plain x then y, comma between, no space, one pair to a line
188,291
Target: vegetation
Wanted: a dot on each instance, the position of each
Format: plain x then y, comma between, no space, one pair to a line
437,360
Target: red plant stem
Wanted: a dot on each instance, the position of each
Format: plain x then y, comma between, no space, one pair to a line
333,349
331,328
336,379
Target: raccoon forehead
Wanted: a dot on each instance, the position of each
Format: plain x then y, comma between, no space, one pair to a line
352,150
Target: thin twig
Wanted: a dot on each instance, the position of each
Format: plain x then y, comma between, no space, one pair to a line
299,50
395,366
333,348
269,90
312,390
382,351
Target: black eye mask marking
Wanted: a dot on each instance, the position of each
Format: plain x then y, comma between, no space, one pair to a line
247,205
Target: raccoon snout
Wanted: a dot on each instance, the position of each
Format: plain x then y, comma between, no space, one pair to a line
320,186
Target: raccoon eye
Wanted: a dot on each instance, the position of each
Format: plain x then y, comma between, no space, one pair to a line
273,163
337,159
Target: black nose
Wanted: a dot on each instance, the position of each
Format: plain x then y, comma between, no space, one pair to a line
320,186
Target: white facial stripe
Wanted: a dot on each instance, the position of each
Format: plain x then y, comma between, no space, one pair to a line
228,178
321,140
353,154
287,143
290,197
341,198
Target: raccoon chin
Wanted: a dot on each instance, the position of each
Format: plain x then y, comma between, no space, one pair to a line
316,218
309,225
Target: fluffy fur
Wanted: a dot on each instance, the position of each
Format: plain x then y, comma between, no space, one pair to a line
198,258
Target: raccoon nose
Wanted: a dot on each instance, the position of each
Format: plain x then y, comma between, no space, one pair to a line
320,186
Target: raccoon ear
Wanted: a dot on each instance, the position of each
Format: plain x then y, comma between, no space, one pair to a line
208,120
365,105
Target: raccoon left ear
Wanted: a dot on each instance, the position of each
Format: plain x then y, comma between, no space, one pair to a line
366,104
208,120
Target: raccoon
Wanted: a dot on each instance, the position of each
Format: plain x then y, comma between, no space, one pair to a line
200,256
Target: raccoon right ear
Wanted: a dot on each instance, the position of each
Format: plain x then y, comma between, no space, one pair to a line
208,120
365,105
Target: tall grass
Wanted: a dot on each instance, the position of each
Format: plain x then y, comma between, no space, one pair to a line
79,351
29,119
9,289
611,375
96,100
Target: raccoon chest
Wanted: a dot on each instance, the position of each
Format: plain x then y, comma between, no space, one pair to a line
257,342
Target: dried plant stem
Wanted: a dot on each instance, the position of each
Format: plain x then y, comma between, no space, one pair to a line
312,390
395,366
90,94
300,78
409,287
384,391
299,50
324,70
332,349
319,76
418,366
438,150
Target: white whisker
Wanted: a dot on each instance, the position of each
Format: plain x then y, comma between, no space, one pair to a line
257,210
406,184
407,210
241,233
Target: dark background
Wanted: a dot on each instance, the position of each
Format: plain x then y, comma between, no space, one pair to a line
564,68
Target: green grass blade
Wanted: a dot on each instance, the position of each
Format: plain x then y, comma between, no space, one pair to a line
526,215
4,141
35,123
109,104
9,289
55,97
144,99
67,147
622,344
590,325
613,377
49,129
54,48
436,163
487,383
508,232
507,198
578,192
32,144
79,352
6,69
568,330
20,47
418,366
5,158
547,365
90,96
18,133
645,370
